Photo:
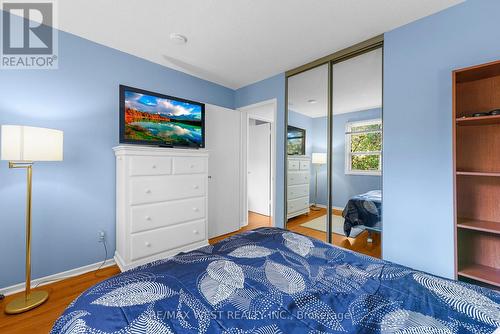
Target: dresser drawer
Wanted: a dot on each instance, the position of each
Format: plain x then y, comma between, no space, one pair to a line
293,164
298,204
304,165
161,240
189,165
150,165
298,191
295,178
150,216
149,189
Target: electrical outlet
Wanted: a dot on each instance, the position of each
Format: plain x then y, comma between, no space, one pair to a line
101,235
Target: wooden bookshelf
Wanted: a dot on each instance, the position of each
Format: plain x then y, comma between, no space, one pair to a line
476,160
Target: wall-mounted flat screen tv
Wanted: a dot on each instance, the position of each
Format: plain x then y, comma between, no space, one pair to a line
296,141
156,119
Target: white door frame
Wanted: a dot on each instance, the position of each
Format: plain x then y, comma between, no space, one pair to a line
245,118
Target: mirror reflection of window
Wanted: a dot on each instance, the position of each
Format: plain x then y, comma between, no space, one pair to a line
363,151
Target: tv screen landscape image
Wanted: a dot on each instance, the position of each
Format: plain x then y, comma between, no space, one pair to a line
156,119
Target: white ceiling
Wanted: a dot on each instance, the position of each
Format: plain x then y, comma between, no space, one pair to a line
237,42
309,85
357,85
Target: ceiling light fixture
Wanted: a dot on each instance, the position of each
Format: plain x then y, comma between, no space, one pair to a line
178,38
312,101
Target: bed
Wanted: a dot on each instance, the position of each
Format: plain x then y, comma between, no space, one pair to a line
364,211
271,280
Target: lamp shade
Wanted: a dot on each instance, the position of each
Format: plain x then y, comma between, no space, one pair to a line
27,143
319,158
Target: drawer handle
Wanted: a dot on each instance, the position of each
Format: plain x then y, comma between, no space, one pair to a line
154,166
195,186
148,191
196,209
148,218
191,166
147,244
196,232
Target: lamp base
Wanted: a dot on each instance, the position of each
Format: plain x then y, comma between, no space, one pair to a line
21,304
315,208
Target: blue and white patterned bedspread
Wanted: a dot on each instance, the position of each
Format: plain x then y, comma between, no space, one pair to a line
274,281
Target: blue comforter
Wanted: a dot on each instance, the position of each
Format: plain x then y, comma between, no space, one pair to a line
274,281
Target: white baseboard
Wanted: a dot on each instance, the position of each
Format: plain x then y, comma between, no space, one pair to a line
56,277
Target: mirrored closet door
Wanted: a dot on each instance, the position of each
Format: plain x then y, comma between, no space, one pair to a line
307,139
356,142
334,149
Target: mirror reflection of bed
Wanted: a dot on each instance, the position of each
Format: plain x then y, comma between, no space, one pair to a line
360,243
356,144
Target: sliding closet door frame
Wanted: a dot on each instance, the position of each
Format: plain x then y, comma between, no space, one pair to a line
329,156
334,58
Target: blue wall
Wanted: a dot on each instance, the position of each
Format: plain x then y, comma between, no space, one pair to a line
344,186
75,198
320,142
418,175
268,89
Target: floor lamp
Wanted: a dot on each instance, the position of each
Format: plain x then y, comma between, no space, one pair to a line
21,146
318,159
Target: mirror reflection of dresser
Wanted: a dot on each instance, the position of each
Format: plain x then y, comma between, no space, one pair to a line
298,178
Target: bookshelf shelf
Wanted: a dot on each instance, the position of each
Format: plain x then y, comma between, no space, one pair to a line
482,120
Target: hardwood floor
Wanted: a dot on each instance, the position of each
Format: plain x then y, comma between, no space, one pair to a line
358,244
41,319
255,220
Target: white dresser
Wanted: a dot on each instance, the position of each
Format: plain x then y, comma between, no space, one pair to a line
298,178
161,203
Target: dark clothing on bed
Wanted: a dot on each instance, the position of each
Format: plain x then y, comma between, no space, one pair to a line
364,210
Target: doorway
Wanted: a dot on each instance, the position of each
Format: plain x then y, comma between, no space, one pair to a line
259,167
258,161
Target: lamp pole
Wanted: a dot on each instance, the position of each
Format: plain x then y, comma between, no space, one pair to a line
35,298
315,206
